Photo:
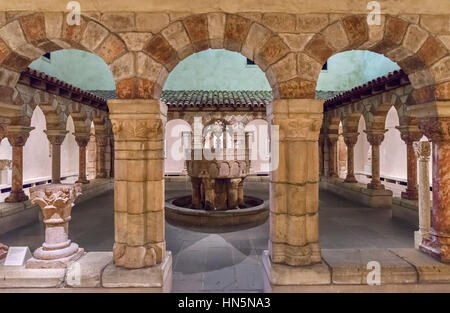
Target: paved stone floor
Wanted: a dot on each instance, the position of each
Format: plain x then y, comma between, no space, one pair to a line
228,260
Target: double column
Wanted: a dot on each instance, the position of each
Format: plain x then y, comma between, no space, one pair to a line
17,137
82,140
138,127
409,136
56,138
294,181
375,138
350,140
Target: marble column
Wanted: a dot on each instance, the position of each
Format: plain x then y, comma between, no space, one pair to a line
321,155
138,127
56,202
423,151
82,140
101,143
56,138
332,168
17,137
375,138
410,136
294,181
350,140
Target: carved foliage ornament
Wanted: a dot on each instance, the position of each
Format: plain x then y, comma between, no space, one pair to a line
299,127
145,129
422,149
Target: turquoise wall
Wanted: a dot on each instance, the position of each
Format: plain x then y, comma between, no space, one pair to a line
79,68
215,70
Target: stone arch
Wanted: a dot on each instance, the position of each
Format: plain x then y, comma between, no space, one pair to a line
423,57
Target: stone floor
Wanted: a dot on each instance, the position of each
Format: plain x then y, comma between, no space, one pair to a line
228,260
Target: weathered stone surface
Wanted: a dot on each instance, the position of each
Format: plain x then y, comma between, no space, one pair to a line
431,51
21,277
13,35
111,49
216,29
443,91
87,271
257,37
445,39
437,24
421,79
297,88
147,68
123,67
94,35
119,22
53,25
307,67
414,38
335,34
356,28
176,35
311,23
197,28
272,51
73,33
441,70
279,274
429,270
34,27
286,68
162,52
296,42
236,30
151,22
393,35
3,251
319,49
345,264
158,276
135,41
279,22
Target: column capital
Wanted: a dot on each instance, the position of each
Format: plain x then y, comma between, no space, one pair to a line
82,139
435,128
102,140
409,134
350,138
333,138
56,136
422,150
375,137
17,135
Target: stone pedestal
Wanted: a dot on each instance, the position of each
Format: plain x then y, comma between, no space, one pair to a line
423,151
350,140
82,140
138,127
56,138
294,181
17,137
56,202
375,138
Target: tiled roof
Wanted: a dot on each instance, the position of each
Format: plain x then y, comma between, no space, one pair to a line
378,85
185,99
105,94
50,84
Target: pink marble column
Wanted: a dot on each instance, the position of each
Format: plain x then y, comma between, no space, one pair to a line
375,138
82,140
332,139
17,137
102,142
409,137
56,138
438,243
350,140
56,202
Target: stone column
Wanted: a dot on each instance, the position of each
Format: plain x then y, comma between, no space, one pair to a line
321,155
111,145
241,193
82,140
56,202
138,127
233,193
101,142
196,192
294,181
209,185
410,136
56,138
423,150
375,138
332,168
17,137
186,145
350,140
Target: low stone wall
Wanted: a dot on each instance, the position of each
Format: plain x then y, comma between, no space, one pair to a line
357,192
15,215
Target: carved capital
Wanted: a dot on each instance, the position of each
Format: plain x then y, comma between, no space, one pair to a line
102,140
56,137
435,128
332,138
375,137
18,135
422,150
350,139
82,139
138,129
409,135
299,128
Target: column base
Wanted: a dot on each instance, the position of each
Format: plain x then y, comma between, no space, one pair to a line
83,181
418,238
17,196
350,179
434,248
375,186
158,277
410,194
276,276
56,263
